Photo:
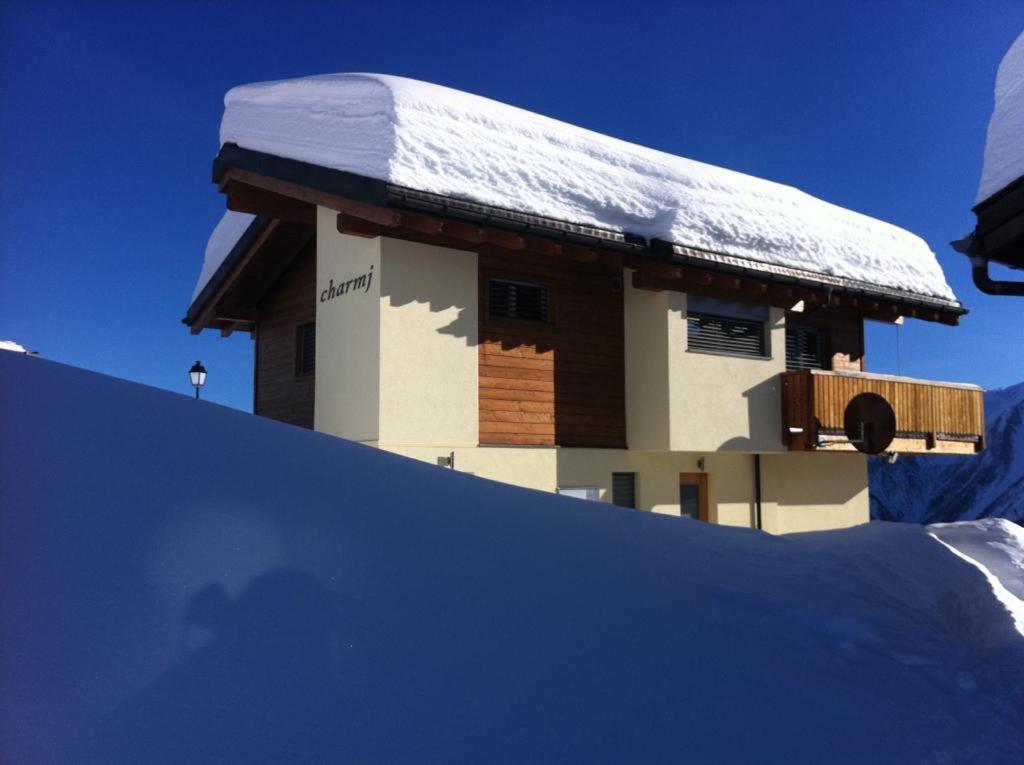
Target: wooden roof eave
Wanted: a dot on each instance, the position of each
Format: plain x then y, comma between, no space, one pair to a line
200,314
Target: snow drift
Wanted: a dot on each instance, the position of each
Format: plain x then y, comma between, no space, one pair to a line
188,583
439,140
1004,147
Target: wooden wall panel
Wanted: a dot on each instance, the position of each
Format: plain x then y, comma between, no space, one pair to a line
561,383
279,392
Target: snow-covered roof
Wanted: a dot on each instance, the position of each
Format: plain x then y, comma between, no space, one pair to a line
435,139
10,345
1004,148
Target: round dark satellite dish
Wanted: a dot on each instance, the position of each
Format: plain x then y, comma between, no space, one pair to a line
869,423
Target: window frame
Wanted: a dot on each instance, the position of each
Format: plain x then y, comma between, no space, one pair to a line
764,324
547,321
824,345
634,491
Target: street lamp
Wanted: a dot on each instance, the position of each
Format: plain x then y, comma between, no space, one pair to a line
197,376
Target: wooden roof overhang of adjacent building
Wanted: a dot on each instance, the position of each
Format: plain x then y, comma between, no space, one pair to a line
285,193
997,238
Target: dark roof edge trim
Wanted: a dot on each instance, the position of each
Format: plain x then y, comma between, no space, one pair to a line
337,182
501,217
992,199
384,194
225,268
715,261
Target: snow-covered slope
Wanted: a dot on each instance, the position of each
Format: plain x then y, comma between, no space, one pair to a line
436,139
933,489
188,583
1004,147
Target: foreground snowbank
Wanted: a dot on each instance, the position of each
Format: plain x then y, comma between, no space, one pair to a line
436,139
996,547
187,583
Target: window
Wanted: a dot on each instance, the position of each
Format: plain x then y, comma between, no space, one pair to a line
734,329
305,349
805,348
624,489
516,300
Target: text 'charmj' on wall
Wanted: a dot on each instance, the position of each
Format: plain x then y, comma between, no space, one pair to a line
362,283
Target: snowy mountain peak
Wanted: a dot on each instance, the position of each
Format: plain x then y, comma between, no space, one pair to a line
935,489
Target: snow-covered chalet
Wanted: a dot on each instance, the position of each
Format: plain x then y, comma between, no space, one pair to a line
467,283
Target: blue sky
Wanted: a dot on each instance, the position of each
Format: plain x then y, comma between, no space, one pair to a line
109,116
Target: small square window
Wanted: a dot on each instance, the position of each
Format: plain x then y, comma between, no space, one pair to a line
517,300
305,349
624,489
805,348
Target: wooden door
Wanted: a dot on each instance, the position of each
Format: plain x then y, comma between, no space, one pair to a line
693,495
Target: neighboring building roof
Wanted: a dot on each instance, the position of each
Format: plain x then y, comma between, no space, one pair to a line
998,236
1004,148
434,139
10,345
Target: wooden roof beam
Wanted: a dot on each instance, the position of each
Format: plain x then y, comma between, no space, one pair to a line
244,198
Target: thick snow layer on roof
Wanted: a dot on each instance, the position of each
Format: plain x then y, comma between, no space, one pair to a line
440,140
224,237
279,595
10,345
1004,148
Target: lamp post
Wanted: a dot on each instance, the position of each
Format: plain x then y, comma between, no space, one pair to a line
197,376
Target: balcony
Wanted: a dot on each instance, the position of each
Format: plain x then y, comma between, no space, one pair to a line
931,417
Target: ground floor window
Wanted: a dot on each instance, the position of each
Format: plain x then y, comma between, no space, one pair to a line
624,489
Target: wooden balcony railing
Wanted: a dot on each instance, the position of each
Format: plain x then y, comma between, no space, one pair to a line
931,417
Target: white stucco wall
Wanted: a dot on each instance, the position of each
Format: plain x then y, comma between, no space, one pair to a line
724,403
347,332
808,491
799,491
685,401
646,318
429,350
397,353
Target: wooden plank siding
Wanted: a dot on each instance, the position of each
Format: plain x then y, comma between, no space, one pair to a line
279,391
816,401
557,383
